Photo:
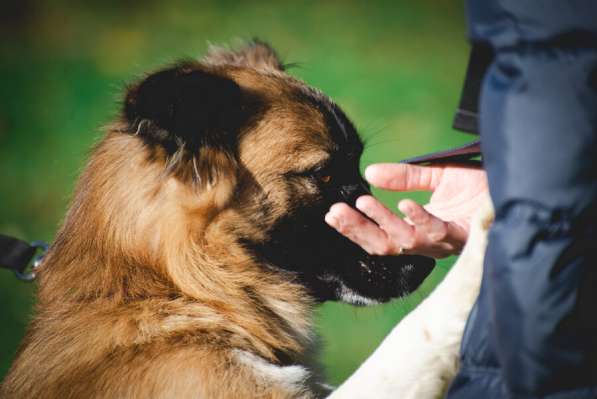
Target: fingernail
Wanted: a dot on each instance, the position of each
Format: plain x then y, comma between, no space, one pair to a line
369,171
360,204
331,219
404,208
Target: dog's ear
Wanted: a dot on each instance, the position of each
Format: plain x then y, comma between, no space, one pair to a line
185,105
255,54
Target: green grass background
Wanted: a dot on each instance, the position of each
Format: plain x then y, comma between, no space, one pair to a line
396,67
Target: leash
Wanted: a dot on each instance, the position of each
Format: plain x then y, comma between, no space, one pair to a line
465,154
21,257
467,115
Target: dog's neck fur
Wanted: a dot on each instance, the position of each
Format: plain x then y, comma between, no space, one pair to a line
127,254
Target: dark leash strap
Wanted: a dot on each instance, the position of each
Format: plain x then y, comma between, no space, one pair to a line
467,115
21,257
463,155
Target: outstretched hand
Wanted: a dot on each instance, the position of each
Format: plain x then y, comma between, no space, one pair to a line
438,229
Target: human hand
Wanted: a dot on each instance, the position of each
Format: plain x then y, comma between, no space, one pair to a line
438,229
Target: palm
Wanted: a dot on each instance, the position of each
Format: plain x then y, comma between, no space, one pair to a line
459,192
438,229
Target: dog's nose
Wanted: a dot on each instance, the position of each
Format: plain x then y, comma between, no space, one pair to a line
350,192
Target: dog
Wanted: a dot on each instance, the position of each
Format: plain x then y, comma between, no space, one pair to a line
195,247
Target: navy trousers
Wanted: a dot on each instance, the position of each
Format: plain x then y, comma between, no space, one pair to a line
533,330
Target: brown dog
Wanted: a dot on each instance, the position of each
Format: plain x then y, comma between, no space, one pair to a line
195,247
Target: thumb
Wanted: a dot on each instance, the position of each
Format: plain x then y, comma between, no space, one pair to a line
403,177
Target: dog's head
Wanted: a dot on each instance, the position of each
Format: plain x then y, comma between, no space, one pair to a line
265,156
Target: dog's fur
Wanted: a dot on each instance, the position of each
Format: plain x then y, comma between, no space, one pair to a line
195,248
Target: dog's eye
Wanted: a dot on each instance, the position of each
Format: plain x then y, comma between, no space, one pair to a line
323,175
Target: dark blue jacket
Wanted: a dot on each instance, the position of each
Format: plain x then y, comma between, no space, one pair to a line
533,331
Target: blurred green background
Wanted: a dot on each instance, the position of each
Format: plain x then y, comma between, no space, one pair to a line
396,67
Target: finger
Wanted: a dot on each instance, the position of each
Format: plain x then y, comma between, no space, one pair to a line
357,228
399,232
441,251
433,228
403,177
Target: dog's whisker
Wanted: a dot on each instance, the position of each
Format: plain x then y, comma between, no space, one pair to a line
378,143
368,137
140,126
196,171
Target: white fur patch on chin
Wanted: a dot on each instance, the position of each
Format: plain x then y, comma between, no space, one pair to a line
348,295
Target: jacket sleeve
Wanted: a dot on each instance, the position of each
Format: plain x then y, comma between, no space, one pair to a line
538,127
